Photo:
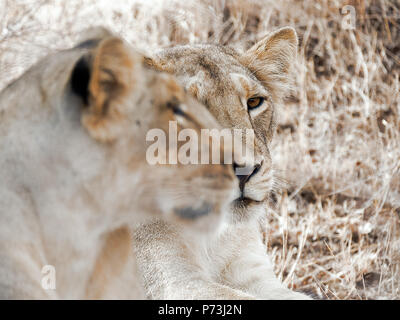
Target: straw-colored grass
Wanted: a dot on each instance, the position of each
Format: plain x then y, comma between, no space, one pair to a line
335,229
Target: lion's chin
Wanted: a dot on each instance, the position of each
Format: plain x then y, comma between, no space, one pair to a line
245,208
244,202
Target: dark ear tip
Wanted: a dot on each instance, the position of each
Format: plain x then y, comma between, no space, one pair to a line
287,33
80,79
287,29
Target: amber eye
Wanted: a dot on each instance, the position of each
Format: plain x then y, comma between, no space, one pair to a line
254,103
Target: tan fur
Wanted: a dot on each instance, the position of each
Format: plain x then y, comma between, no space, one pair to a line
224,79
74,174
109,265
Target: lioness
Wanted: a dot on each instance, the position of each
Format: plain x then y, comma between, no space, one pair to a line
74,174
242,90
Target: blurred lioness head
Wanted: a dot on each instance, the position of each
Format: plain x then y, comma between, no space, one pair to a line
94,105
242,90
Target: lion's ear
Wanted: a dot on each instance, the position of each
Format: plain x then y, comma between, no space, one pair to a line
111,75
112,78
271,58
158,63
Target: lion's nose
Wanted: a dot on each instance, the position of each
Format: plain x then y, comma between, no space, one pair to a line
244,174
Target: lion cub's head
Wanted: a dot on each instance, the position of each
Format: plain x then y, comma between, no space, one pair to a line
242,91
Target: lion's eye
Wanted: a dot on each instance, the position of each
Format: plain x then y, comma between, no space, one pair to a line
178,111
174,105
254,103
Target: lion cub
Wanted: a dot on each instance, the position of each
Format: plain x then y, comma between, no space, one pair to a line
73,171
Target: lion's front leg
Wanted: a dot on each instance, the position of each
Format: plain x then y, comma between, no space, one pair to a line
247,267
171,269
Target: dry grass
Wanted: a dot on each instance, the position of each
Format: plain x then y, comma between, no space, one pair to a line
335,231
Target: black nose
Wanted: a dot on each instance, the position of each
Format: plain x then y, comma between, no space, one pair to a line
244,174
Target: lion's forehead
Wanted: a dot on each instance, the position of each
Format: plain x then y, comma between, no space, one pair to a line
222,84
216,62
